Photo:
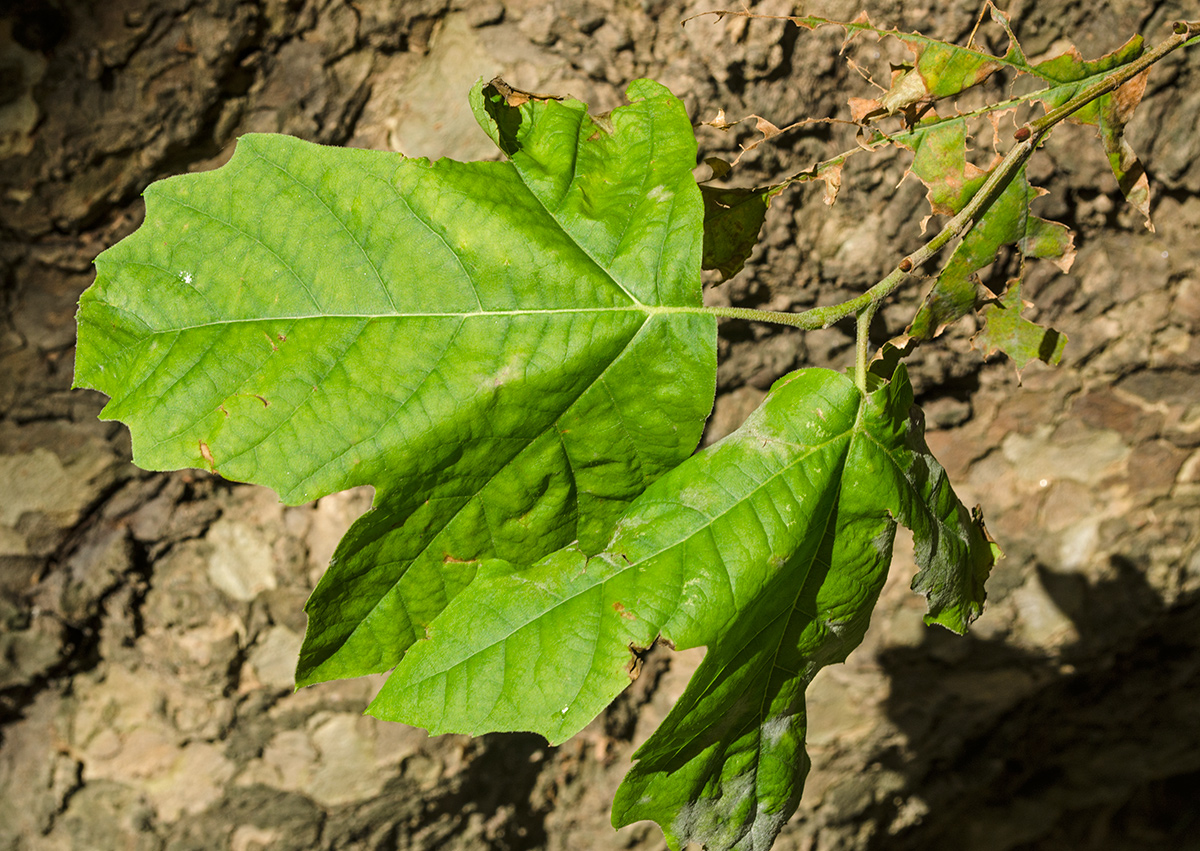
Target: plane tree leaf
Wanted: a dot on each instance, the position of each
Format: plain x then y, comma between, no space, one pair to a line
939,70
509,352
1007,331
769,547
726,768
733,219
1069,72
940,161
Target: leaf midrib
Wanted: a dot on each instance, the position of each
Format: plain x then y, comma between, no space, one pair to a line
393,316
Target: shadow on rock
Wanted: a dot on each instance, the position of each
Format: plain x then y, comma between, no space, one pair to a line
1097,748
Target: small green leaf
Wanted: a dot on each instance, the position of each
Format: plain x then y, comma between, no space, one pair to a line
940,70
733,219
940,162
509,352
1007,331
1005,221
1109,114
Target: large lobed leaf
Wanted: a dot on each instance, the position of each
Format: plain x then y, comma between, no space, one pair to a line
770,548
513,355
509,352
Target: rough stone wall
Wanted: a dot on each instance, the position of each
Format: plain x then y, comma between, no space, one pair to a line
149,622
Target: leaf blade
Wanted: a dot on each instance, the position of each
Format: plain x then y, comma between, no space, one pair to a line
728,772
769,547
1005,221
640,585
425,350
1007,331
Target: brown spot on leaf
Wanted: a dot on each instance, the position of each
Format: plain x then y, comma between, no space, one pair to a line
619,608
832,178
206,454
766,127
908,89
720,122
863,108
637,656
515,97
634,668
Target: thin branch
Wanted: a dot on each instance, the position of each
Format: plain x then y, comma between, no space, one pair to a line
862,345
1029,137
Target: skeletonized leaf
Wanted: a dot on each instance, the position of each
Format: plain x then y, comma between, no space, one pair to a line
1069,72
941,71
490,345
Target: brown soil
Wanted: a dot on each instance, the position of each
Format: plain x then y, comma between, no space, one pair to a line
149,622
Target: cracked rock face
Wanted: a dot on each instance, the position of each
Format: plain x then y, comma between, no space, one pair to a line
149,623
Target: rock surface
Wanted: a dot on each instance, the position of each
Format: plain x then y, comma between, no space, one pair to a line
149,622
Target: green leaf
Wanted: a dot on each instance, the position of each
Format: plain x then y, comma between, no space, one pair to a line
770,548
522,645
733,219
508,352
940,161
727,766
939,70
1109,114
1007,331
